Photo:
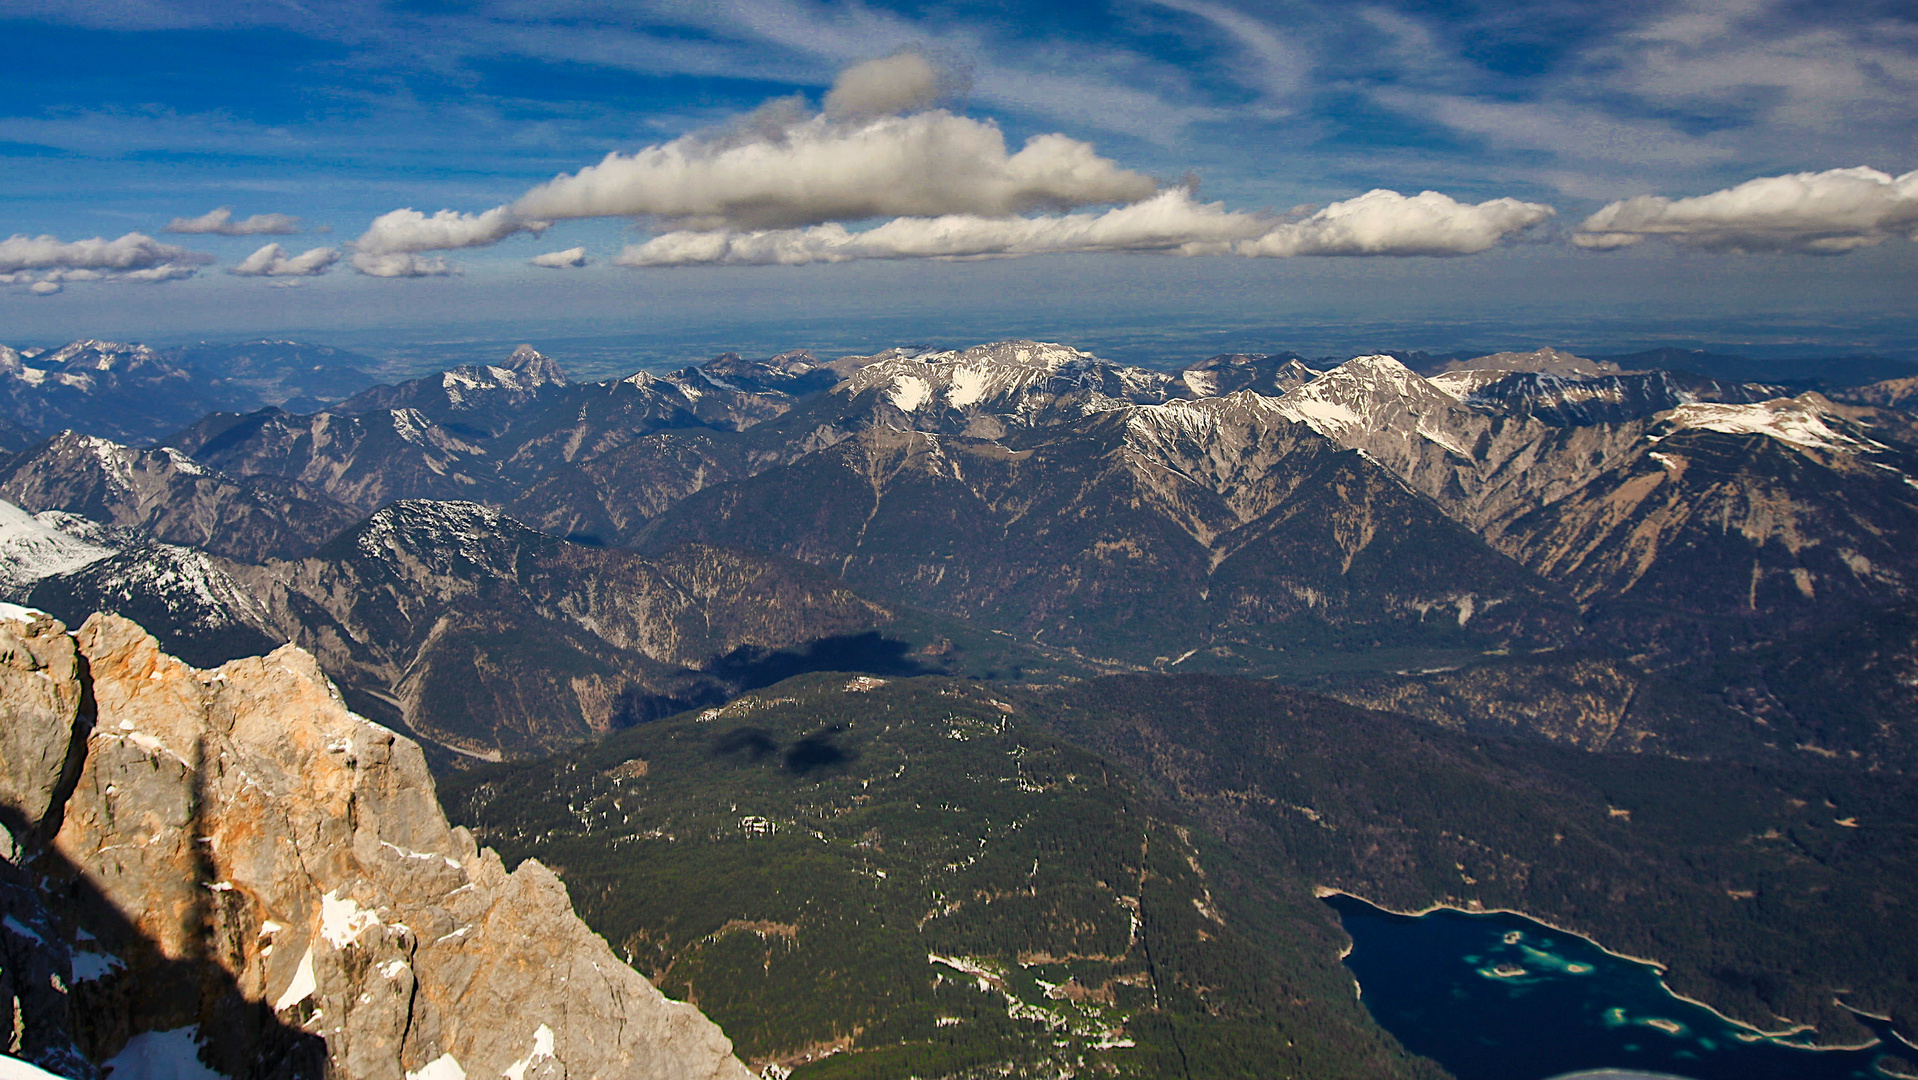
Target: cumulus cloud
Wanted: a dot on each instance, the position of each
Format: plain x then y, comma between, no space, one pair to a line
401,265
561,260
868,155
782,186
1382,222
1168,221
44,288
134,251
818,170
162,272
390,246
1376,223
134,257
273,261
408,230
220,222
1820,213
906,81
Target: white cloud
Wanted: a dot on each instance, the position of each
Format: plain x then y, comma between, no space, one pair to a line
1826,213
134,257
132,252
1168,221
1376,223
1385,222
904,82
401,265
162,272
561,260
781,168
408,230
220,222
814,170
273,261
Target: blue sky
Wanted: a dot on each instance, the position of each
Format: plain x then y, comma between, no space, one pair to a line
1206,164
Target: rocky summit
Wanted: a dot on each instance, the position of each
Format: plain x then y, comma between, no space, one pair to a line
229,865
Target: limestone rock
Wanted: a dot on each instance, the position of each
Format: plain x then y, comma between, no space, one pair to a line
39,683
262,863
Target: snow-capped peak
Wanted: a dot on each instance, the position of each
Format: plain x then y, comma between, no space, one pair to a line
1799,421
1374,396
1015,378
1203,417
94,355
1362,393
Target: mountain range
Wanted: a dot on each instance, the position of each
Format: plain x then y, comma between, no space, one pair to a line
685,613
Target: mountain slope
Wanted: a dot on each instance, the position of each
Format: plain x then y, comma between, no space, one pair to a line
30,549
168,496
1771,514
485,432
120,391
365,460
863,879
290,374
478,632
1135,531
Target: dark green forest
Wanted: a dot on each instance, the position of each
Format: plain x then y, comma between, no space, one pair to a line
932,877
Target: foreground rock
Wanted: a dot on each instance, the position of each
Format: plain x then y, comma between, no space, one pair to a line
239,856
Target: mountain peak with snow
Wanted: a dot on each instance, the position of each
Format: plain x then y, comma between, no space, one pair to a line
1807,421
1021,382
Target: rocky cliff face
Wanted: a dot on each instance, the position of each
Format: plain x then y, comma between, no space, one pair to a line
234,858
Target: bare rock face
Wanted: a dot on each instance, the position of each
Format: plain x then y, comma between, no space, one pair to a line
40,685
246,855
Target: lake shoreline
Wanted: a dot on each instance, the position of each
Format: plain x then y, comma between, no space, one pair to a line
1782,1038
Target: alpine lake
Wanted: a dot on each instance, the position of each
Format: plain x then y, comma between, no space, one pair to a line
1500,997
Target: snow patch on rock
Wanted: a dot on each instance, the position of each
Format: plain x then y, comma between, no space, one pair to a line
1798,421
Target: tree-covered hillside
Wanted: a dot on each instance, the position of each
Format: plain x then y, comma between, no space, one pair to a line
910,878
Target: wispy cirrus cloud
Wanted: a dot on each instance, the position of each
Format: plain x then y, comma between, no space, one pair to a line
1686,90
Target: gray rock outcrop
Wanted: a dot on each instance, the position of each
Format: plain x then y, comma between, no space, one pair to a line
239,852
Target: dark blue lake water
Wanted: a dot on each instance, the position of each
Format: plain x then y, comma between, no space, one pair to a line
1500,997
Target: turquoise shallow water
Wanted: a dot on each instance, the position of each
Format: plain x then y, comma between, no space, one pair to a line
1500,997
